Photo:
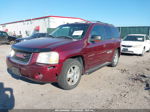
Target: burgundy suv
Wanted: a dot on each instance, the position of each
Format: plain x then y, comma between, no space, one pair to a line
71,51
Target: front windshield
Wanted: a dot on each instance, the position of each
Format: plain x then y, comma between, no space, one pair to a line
134,38
74,31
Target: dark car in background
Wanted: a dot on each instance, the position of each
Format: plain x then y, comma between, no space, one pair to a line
6,39
33,36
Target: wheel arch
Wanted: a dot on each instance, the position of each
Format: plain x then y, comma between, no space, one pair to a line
80,58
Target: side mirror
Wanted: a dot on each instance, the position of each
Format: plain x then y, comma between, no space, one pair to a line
96,38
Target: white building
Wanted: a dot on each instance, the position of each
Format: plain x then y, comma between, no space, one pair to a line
41,24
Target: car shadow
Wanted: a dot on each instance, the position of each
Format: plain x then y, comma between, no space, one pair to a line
56,85
124,54
7,99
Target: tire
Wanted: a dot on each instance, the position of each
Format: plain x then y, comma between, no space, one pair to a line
143,52
148,50
70,75
115,59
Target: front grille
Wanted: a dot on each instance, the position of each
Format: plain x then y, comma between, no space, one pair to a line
21,57
126,46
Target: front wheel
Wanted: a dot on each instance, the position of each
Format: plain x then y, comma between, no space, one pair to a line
70,75
148,50
115,59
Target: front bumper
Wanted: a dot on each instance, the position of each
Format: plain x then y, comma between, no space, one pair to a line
36,72
131,50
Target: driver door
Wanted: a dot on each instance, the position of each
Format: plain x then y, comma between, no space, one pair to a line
96,51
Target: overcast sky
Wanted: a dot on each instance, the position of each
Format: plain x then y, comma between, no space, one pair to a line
117,12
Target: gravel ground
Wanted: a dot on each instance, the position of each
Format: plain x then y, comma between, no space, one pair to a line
107,88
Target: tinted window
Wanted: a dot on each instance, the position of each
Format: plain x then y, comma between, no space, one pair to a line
3,34
34,35
111,32
115,32
0,34
98,30
42,35
108,32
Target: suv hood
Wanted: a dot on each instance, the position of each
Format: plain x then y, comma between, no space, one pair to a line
132,43
41,44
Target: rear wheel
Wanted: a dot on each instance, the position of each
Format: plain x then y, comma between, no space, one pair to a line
115,59
70,75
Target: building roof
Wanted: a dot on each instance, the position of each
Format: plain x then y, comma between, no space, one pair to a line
131,26
43,18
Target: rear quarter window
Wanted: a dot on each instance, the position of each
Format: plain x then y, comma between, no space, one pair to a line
108,33
115,32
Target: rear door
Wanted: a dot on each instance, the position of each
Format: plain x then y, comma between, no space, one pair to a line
111,39
95,51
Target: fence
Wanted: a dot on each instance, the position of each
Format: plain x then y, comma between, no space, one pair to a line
134,30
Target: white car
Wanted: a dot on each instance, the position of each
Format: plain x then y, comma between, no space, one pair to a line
135,44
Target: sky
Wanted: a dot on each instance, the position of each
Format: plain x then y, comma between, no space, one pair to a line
117,12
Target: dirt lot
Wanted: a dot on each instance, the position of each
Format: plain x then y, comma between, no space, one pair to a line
107,88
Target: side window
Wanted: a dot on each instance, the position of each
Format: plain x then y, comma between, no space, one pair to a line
98,30
108,33
4,34
0,34
42,35
111,32
115,32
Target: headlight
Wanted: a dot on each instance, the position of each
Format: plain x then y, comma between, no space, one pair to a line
12,53
48,58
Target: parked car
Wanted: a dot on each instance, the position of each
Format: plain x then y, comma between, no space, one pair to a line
5,38
34,36
73,50
135,44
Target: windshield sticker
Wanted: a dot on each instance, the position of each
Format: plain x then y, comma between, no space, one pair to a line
139,38
78,33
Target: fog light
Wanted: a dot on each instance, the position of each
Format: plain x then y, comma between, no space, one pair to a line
38,76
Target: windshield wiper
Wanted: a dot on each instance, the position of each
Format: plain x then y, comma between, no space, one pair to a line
65,37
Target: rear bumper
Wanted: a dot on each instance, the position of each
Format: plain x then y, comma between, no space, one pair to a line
36,72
